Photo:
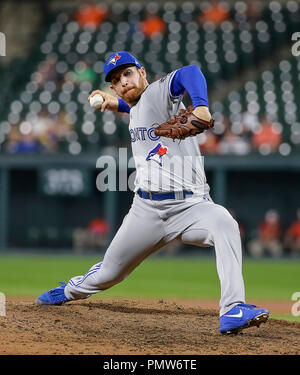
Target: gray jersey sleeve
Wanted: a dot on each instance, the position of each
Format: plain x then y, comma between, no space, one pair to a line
162,98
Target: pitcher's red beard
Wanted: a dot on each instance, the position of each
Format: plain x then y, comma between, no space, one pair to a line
132,95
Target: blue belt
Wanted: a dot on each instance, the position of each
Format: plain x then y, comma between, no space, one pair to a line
161,196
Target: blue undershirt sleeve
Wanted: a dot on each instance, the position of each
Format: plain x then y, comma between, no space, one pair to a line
123,106
190,79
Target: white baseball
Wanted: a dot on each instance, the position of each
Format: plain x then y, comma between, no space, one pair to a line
96,101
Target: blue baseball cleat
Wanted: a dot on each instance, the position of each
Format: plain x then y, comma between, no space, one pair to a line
242,316
55,296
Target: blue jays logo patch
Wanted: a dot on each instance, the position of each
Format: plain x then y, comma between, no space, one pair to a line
114,60
157,153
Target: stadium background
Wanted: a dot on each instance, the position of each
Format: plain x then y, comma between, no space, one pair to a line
50,138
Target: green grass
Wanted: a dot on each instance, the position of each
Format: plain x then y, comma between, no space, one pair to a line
288,317
189,278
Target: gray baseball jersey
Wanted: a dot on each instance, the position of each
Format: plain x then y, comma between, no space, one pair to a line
163,164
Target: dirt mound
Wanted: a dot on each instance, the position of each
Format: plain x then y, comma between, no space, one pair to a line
123,327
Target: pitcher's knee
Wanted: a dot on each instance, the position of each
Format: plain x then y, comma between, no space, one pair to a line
198,237
224,222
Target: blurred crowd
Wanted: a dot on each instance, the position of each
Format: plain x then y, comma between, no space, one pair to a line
45,132
272,238
93,13
252,133
47,127
92,237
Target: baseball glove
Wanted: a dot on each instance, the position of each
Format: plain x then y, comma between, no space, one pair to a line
183,125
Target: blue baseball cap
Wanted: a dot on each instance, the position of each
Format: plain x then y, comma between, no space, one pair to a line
118,59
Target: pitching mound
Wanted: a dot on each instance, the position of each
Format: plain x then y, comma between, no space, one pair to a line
121,326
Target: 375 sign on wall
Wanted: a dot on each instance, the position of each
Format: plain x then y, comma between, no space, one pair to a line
64,181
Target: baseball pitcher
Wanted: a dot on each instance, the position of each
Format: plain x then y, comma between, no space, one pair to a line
171,199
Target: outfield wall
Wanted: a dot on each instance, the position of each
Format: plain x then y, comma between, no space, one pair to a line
31,200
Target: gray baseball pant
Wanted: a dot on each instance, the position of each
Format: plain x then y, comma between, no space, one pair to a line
150,225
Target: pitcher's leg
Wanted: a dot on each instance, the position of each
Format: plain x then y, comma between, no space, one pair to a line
138,237
228,248
216,227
